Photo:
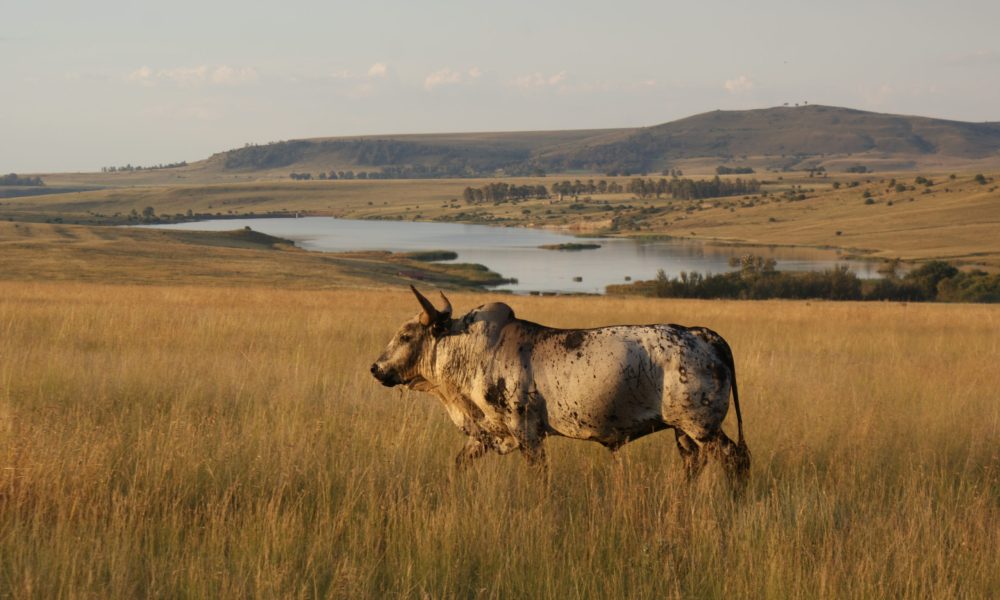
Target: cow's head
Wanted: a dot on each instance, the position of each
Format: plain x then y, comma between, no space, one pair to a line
400,362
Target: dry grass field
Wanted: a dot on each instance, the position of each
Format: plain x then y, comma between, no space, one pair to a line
55,252
184,441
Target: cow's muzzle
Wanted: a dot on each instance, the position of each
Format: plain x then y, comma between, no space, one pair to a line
386,378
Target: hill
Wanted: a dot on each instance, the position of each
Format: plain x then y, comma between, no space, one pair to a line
781,137
790,134
410,156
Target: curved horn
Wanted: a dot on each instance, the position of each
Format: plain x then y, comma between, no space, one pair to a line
446,313
430,313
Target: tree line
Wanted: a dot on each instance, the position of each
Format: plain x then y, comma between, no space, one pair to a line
412,172
503,192
758,279
576,188
14,179
692,189
130,167
724,170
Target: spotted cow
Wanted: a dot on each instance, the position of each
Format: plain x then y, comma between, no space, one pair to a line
509,383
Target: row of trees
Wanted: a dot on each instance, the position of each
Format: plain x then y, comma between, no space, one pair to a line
724,170
130,168
14,179
333,175
758,279
503,192
692,189
576,188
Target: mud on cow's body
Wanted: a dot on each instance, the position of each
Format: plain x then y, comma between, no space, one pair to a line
509,383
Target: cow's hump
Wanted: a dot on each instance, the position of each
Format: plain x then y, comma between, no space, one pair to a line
496,312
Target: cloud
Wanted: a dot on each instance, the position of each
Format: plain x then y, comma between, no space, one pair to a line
739,85
535,80
379,69
199,75
879,96
442,77
226,75
475,73
979,58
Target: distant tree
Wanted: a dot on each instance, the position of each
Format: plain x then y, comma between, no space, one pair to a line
13,179
980,179
724,170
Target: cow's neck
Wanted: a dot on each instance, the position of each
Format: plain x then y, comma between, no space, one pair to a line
443,365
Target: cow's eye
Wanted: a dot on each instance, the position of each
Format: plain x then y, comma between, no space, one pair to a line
405,338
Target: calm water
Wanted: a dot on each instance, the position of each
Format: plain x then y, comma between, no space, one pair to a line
514,252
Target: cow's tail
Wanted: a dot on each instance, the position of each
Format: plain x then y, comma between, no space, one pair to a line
741,445
736,403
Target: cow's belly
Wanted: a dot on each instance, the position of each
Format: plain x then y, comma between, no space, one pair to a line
609,397
618,388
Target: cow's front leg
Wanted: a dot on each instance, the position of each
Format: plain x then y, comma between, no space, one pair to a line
525,423
473,449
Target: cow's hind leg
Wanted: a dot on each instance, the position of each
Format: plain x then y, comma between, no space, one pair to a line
691,454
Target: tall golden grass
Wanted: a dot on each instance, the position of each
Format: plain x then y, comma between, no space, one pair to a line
209,442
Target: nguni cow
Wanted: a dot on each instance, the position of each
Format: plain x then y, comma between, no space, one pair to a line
509,383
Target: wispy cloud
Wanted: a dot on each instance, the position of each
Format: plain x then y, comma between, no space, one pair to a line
226,75
441,77
536,80
199,75
378,70
739,85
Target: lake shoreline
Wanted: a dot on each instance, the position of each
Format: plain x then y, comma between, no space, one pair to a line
523,254
848,254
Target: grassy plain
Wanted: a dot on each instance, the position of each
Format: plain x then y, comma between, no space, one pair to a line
185,441
47,252
952,219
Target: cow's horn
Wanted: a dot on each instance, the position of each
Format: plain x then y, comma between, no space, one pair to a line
430,313
446,313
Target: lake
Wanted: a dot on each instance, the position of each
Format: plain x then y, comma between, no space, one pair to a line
515,252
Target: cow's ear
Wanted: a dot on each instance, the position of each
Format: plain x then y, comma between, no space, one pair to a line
441,326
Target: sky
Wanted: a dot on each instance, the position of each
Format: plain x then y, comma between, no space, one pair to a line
115,82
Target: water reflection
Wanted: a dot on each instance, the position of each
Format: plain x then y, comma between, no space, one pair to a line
514,251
